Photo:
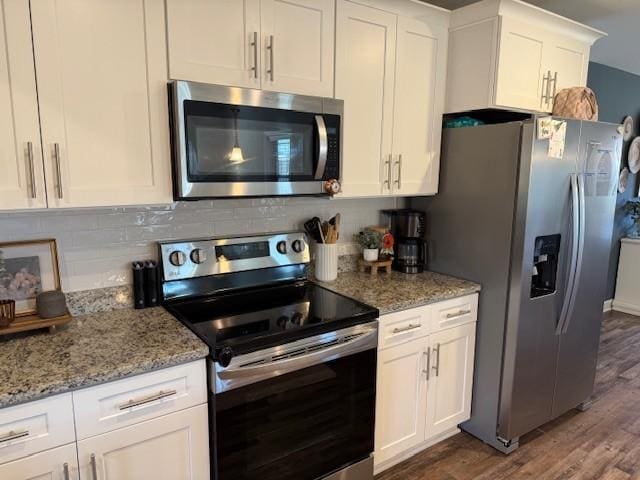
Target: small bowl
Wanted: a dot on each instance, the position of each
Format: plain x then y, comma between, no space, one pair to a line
7,312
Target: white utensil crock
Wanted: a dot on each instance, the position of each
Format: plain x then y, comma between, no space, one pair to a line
326,262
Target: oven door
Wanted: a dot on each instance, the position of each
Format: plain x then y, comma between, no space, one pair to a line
234,142
275,421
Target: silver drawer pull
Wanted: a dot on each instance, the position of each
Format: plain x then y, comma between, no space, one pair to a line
94,466
458,314
14,435
151,398
408,328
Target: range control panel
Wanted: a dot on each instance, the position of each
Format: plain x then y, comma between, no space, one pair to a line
202,257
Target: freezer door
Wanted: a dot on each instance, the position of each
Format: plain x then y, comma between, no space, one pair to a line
599,158
539,274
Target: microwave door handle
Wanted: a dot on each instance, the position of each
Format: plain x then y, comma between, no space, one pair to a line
323,142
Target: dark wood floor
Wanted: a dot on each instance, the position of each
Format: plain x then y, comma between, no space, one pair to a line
602,443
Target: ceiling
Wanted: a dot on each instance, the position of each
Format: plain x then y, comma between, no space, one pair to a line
619,18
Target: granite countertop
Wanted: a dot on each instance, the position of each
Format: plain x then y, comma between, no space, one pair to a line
93,349
400,291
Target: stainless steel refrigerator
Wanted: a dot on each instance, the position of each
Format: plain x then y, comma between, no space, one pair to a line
536,232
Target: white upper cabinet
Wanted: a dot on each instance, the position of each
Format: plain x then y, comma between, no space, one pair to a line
215,41
298,46
511,55
391,73
365,65
22,180
421,64
519,79
103,101
279,45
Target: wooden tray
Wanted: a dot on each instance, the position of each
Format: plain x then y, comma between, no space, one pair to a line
34,322
384,262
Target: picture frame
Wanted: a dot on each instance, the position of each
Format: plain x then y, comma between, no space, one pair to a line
28,268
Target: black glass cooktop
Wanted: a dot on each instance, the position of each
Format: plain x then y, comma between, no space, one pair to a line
265,317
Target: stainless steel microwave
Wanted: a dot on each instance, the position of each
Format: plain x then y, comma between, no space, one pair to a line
237,142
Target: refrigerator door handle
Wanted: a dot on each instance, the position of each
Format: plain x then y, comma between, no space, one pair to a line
575,235
578,274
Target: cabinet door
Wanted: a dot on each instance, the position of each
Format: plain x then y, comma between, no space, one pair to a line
401,399
519,79
103,101
451,378
298,46
172,447
212,41
568,61
22,178
49,465
365,69
421,64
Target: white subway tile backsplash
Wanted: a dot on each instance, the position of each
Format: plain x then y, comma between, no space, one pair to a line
96,246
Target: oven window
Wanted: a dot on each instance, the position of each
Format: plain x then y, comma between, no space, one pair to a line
248,144
301,425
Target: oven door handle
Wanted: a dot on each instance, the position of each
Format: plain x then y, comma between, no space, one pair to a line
323,147
364,341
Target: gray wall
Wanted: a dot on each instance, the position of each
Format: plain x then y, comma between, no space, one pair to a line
618,95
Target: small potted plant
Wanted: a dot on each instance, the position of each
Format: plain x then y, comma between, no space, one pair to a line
632,209
369,240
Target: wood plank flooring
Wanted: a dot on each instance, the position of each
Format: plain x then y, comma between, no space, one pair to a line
602,443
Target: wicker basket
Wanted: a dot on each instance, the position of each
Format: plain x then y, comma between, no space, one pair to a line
7,312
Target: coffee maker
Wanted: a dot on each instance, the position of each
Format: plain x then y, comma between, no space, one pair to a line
410,249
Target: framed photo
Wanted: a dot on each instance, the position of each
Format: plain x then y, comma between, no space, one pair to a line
26,269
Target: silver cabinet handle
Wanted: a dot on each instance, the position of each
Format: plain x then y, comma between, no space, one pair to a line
459,313
94,467
65,471
270,47
427,371
545,89
387,165
14,436
399,164
254,44
151,398
408,328
555,87
56,159
32,175
436,364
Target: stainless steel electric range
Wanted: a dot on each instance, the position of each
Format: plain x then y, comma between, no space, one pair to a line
292,370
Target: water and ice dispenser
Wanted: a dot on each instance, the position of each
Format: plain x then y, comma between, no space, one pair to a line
545,266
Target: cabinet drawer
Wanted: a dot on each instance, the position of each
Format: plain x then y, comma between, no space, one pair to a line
454,312
400,327
132,400
35,426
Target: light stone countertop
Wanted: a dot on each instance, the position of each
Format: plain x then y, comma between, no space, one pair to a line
93,349
400,291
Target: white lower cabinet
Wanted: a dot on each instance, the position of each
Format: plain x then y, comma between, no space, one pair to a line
153,426
425,379
451,378
56,464
172,447
401,405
